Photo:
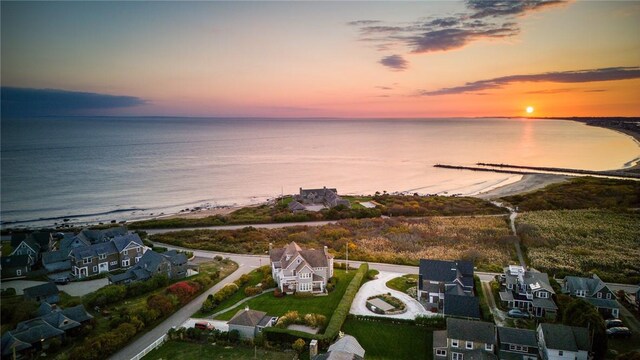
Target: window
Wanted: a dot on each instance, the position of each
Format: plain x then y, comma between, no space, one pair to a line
559,352
609,296
469,345
95,269
454,343
18,272
125,262
113,263
599,296
580,293
440,352
305,275
543,294
86,260
456,356
488,347
518,348
304,287
102,256
139,249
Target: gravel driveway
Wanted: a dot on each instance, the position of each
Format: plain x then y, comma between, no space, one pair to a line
378,286
78,288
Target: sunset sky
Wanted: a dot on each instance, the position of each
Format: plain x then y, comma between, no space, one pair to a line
322,59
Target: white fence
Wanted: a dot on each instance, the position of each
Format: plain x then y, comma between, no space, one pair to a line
151,347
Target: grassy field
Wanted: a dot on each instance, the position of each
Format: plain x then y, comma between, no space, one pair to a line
382,340
256,277
179,350
323,305
401,283
484,240
580,242
581,193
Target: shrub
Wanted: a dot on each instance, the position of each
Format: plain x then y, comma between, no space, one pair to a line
371,274
225,293
330,287
243,280
268,282
298,345
303,294
107,295
9,292
234,336
184,290
315,320
342,310
160,303
218,258
55,344
291,317
252,290
278,293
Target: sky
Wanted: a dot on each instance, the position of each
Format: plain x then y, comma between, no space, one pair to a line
321,59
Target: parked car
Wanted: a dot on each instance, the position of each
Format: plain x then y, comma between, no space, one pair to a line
517,313
619,332
203,325
61,280
613,323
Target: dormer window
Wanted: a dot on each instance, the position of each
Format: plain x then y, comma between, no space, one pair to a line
469,345
102,256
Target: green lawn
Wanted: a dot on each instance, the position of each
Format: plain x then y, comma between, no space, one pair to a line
323,305
177,350
383,340
400,283
256,277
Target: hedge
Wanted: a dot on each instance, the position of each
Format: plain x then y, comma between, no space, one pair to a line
336,322
433,322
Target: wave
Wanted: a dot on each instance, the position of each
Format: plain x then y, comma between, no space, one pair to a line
117,211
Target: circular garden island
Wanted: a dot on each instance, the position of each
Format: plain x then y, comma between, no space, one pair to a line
385,304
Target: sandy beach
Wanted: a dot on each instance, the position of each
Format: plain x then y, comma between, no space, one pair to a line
529,182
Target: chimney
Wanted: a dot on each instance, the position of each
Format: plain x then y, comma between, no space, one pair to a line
313,348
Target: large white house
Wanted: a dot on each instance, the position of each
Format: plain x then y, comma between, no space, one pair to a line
295,269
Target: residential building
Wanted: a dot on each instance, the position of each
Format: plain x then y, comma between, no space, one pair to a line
465,340
120,252
170,263
28,247
346,347
250,322
35,334
528,290
439,280
295,269
15,266
594,291
517,344
325,196
47,292
558,342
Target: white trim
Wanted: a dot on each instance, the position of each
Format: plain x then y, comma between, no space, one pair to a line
18,272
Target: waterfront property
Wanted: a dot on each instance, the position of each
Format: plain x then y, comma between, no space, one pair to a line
448,287
120,252
563,342
170,263
528,290
316,199
295,269
250,322
594,291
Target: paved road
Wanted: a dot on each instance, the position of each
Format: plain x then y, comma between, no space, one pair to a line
236,227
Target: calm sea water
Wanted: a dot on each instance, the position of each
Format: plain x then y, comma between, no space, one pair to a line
99,169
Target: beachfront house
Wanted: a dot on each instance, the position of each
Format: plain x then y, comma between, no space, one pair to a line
295,269
315,199
561,342
447,286
528,290
120,252
170,263
465,340
250,322
594,291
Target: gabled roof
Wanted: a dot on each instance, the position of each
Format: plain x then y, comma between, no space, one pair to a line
525,337
563,337
58,320
446,271
46,289
314,258
45,308
36,330
603,303
32,244
93,250
464,306
479,354
296,206
247,317
77,313
9,342
14,261
536,280
122,241
589,285
470,330
347,344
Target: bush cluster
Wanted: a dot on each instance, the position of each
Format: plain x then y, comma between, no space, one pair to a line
184,290
223,294
252,290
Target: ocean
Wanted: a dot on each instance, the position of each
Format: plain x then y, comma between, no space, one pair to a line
93,169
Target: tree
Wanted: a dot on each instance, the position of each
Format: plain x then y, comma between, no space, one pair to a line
580,313
298,345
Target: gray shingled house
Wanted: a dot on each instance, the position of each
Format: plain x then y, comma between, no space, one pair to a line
170,263
47,292
295,269
346,347
465,340
250,322
594,291
558,342
325,196
15,266
443,285
517,344
119,252
528,290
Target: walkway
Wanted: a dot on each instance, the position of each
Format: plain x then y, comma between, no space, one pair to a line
499,316
512,222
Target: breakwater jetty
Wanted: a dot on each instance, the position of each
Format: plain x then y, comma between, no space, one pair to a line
527,170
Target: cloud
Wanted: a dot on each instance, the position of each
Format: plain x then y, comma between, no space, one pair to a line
567,77
481,20
394,62
27,101
495,8
384,87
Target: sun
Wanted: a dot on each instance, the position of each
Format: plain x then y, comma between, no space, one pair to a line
530,109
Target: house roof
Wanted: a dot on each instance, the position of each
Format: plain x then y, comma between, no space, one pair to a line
536,280
517,336
44,308
58,320
446,271
247,317
456,289
479,354
14,261
440,338
32,244
36,330
544,303
506,296
563,337
9,342
93,250
603,303
77,313
296,206
347,344
45,289
122,241
314,258
589,285
461,306
51,257
471,330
